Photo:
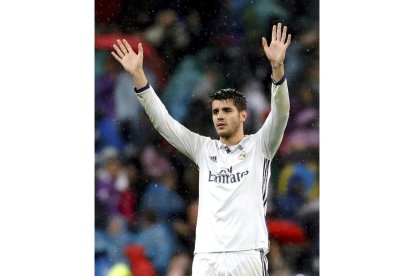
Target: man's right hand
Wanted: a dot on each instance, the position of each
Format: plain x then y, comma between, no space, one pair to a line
131,61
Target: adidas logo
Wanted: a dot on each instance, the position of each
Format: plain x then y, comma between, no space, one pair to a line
213,158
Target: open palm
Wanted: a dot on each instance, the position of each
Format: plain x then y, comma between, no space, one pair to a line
127,57
276,51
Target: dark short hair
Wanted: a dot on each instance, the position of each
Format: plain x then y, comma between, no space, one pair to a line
230,94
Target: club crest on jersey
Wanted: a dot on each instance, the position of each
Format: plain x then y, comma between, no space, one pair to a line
226,176
213,158
242,155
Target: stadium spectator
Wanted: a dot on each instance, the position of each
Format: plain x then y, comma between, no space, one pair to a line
162,198
111,179
158,240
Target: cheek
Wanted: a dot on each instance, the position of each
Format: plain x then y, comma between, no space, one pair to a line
233,122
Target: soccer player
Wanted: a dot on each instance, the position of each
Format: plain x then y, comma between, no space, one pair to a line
231,235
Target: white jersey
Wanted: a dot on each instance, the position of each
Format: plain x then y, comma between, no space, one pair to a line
232,181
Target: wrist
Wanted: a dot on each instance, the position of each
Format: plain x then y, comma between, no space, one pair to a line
138,73
139,78
276,65
141,89
278,81
278,70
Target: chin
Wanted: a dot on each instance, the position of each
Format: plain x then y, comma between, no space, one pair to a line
222,134
219,132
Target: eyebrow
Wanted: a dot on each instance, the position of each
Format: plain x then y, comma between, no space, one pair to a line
226,109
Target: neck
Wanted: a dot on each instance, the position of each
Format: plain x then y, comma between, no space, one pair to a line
233,140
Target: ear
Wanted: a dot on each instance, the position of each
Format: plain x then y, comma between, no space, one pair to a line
243,116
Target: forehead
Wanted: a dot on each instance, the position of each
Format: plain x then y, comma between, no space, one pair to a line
222,104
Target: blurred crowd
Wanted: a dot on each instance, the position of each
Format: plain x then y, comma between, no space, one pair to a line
146,193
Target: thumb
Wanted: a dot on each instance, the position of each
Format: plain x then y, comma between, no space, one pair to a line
140,50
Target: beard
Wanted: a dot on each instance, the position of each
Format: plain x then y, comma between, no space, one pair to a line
227,133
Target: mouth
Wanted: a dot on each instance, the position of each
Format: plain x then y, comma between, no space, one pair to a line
221,125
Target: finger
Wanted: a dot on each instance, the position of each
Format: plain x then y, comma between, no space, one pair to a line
118,51
284,34
288,41
140,49
264,43
279,31
274,33
124,50
127,45
116,57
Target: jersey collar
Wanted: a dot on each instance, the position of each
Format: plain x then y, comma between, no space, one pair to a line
239,146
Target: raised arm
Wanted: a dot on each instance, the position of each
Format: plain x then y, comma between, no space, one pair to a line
181,138
271,133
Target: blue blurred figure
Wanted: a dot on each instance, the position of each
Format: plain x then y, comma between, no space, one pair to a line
289,204
110,244
158,240
161,197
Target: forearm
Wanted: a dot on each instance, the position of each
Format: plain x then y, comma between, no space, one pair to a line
156,111
280,104
271,133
